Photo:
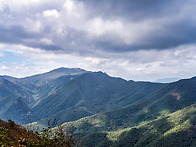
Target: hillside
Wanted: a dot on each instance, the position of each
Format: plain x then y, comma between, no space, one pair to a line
28,91
175,129
19,111
42,84
102,110
14,101
12,90
167,102
92,93
12,134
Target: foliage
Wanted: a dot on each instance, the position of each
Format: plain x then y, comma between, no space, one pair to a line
58,137
4,140
11,123
173,129
14,135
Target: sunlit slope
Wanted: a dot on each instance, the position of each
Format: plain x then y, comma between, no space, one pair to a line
172,107
177,129
169,99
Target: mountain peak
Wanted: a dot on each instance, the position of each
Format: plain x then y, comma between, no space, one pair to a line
67,70
54,74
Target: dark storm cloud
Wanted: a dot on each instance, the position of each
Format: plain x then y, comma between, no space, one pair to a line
171,37
181,31
18,35
13,34
18,32
140,25
51,47
133,9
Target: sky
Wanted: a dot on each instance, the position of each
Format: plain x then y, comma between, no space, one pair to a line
141,40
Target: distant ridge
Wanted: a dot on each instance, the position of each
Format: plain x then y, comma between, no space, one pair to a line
68,70
57,73
167,80
40,79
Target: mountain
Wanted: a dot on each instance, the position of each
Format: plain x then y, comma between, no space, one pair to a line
92,93
44,78
29,90
175,129
176,103
103,110
40,80
42,84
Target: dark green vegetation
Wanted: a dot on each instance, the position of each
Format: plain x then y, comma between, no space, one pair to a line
102,110
90,94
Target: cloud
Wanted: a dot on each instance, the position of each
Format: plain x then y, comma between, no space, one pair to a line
151,38
85,26
1,54
4,67
51,13
137,65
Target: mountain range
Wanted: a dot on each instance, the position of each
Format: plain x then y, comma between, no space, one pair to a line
102,110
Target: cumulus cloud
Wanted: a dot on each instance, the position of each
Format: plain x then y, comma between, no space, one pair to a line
51,13
139,37
111,26
137,65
